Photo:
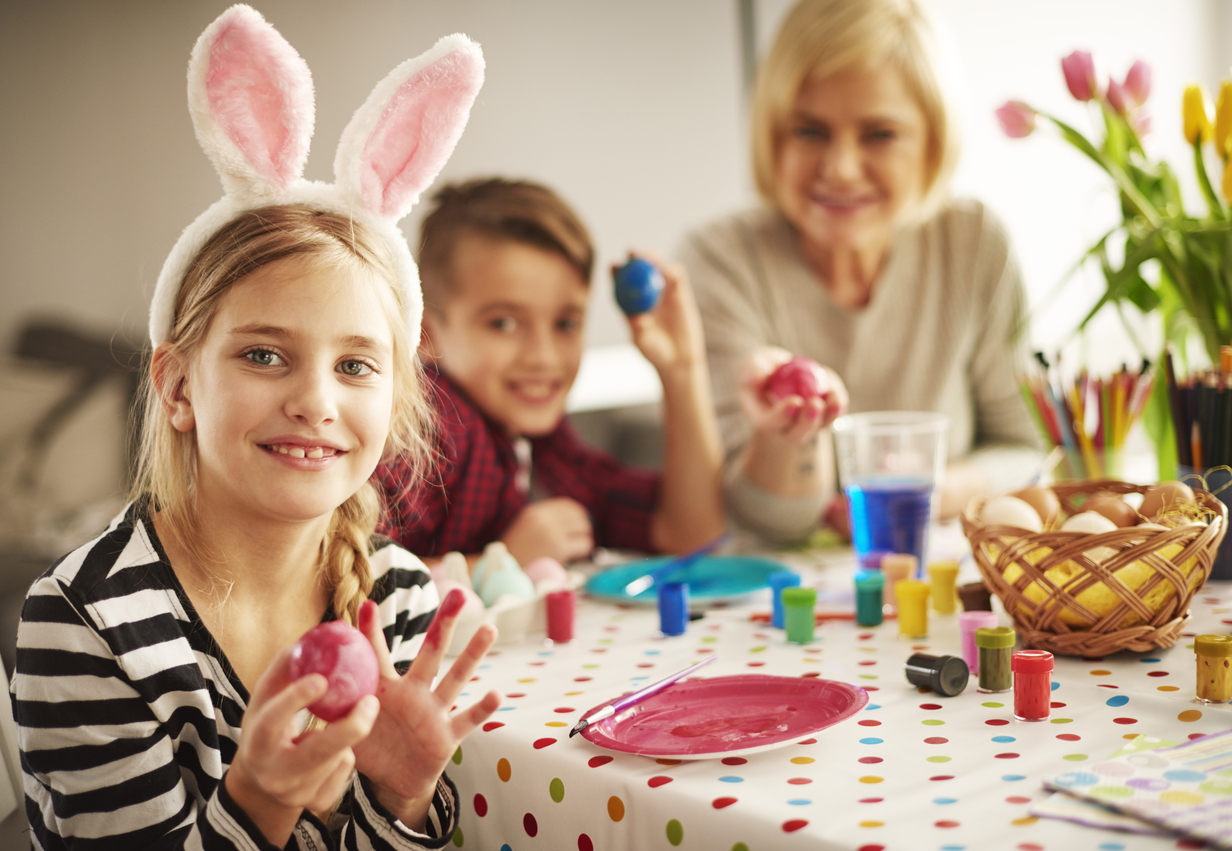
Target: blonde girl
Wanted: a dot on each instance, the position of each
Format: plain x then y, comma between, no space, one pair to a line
152,693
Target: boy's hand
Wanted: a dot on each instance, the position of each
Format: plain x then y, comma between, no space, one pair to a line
415,733
670,336
278,771
558,527
792,418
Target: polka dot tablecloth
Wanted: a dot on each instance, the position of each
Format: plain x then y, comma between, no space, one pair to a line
910,771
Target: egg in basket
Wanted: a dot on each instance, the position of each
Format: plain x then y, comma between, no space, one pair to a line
1082,572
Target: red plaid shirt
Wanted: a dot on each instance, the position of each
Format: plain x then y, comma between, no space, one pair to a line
474,495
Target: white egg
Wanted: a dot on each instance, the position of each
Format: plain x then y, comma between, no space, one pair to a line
1089,521
1008,510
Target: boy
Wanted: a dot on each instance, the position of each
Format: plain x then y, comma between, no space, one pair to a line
506,269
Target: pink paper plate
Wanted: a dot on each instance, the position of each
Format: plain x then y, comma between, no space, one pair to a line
724,716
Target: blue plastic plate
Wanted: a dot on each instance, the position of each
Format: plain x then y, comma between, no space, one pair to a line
710,578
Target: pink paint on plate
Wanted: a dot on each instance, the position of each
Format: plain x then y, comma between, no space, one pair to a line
722,716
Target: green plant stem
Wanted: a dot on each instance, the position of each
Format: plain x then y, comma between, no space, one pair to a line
1204,181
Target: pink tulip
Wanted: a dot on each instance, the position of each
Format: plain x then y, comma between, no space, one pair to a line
1117,97
1079,70
1138,82
1017,119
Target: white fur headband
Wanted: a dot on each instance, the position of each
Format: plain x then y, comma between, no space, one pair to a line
251,99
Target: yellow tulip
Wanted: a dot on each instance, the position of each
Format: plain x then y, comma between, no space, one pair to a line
1223,119
1227,182
1193,111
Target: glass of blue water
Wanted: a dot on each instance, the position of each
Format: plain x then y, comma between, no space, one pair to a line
890,463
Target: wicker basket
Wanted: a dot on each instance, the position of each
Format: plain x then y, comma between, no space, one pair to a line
1048,617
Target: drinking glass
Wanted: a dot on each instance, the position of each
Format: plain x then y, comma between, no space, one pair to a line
890,463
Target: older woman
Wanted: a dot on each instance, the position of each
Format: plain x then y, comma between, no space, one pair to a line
860,262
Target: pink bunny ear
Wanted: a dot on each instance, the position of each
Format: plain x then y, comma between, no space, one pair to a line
399,140
250,95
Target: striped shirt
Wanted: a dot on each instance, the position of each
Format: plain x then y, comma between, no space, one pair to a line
128,713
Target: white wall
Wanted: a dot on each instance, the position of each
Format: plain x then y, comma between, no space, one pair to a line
630,109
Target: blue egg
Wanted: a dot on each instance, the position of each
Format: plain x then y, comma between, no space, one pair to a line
638,285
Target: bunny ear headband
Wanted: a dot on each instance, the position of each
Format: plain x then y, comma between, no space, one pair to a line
251,99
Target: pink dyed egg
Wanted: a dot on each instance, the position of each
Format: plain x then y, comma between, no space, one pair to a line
801,377
546,569
341,654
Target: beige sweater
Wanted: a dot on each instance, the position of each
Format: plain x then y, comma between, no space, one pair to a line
938,334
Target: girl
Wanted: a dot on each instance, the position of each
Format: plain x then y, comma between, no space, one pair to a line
285,324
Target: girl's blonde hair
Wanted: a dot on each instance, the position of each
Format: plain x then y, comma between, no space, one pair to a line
167,460
819,38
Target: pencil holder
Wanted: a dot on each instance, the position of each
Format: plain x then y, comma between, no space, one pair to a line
1082,594
1074,465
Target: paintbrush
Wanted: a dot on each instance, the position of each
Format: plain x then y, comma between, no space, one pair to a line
625,702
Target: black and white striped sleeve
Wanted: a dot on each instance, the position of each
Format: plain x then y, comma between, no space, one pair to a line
100,764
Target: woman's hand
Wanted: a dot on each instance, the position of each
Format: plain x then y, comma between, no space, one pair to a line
278,772
670,335
415,735
792,419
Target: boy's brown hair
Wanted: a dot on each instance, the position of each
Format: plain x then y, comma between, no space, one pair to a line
496,208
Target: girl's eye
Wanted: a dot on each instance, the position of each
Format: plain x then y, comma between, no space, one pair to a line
503,323
569,326
881,135
264,357
354,368
809,133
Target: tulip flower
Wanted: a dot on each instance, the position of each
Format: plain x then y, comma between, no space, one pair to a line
1017,119
1117,97
1223,121
1138,82
1079,70
1227,184
1193,112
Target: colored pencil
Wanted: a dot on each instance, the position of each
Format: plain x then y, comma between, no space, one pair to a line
1092,417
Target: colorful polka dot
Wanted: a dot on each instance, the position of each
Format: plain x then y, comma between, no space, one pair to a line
1117,700
793,825
657,781
1189,715
615,808
675,832
503,770
871,741
596,761
731,778
480,805
722,803
556,789
802,760
530,825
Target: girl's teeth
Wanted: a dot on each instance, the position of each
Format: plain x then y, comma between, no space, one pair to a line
301,452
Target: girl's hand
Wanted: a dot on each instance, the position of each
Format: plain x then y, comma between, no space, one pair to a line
414,735
670,336
792,418
278,772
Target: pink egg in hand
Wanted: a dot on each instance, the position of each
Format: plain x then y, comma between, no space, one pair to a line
801,377
546,569
341,654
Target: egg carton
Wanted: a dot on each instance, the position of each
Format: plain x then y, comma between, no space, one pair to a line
515,618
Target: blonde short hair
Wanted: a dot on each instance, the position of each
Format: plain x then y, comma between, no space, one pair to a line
819,38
